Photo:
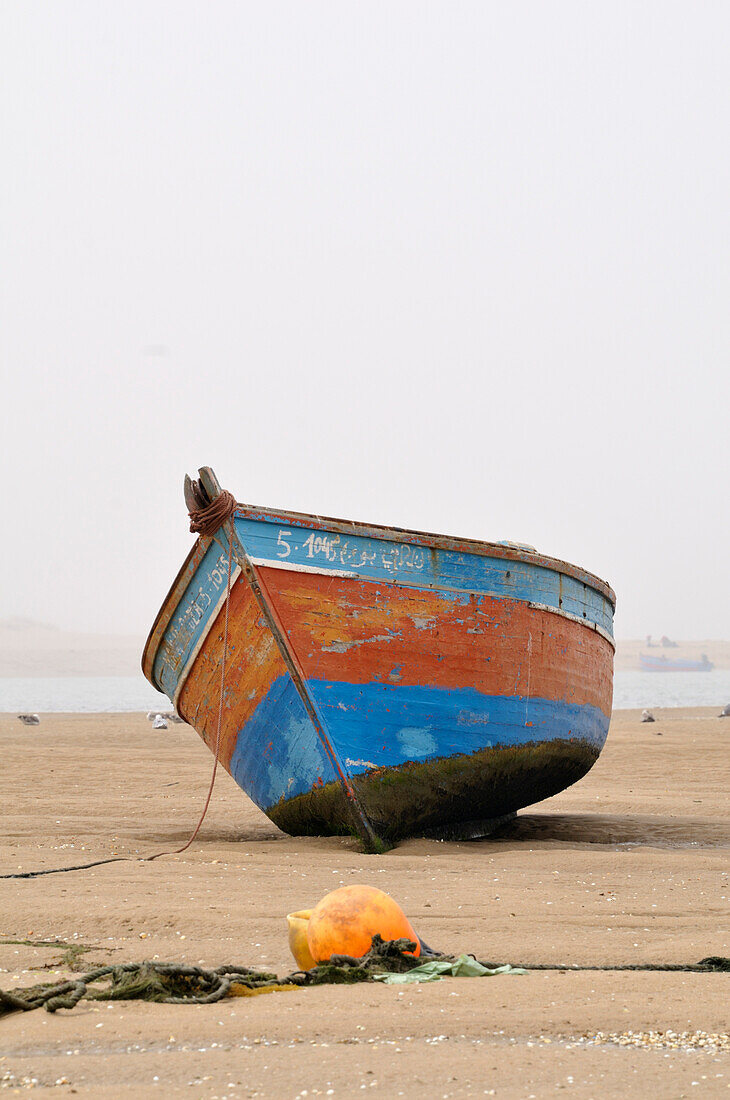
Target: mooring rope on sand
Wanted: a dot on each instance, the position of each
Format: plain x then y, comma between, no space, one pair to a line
179,851
76,867
178,983
206,521
712,964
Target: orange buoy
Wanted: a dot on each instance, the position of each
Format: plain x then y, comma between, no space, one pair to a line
345,921
298,923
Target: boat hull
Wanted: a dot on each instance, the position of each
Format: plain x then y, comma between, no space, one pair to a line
664,664
422,669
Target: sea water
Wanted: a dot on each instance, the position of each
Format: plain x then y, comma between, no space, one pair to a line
71,694
111,694
636,688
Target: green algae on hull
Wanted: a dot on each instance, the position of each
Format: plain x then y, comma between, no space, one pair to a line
449,796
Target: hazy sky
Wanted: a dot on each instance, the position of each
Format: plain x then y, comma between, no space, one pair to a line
459,267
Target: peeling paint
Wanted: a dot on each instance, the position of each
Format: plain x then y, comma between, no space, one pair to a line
409,659
342,647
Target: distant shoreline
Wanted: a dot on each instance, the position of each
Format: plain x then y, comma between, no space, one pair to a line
627,652
116,657
29,650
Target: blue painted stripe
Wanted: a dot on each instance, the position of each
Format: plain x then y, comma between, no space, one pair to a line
424,567
277,753
191,618
383,725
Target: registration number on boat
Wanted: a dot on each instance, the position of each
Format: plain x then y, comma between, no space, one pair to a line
332,548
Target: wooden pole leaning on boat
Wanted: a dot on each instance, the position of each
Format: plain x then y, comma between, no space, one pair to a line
204,496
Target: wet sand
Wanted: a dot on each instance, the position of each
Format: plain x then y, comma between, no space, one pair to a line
628,866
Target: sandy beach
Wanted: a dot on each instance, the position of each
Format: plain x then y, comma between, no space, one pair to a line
629,866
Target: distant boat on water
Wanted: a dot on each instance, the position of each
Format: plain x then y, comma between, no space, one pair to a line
650,663
382,681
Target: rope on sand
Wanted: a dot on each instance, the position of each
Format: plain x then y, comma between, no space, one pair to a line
206,521
713,964
76,867
177,983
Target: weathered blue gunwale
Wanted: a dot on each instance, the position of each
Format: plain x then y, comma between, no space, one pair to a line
416,566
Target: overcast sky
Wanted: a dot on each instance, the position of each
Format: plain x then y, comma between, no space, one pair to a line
459,267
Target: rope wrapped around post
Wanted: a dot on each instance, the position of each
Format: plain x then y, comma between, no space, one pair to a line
208,520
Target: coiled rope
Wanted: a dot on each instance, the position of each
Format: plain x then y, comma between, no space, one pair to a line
210,518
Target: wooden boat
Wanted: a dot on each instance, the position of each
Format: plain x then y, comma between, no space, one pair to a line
382,681
650,663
